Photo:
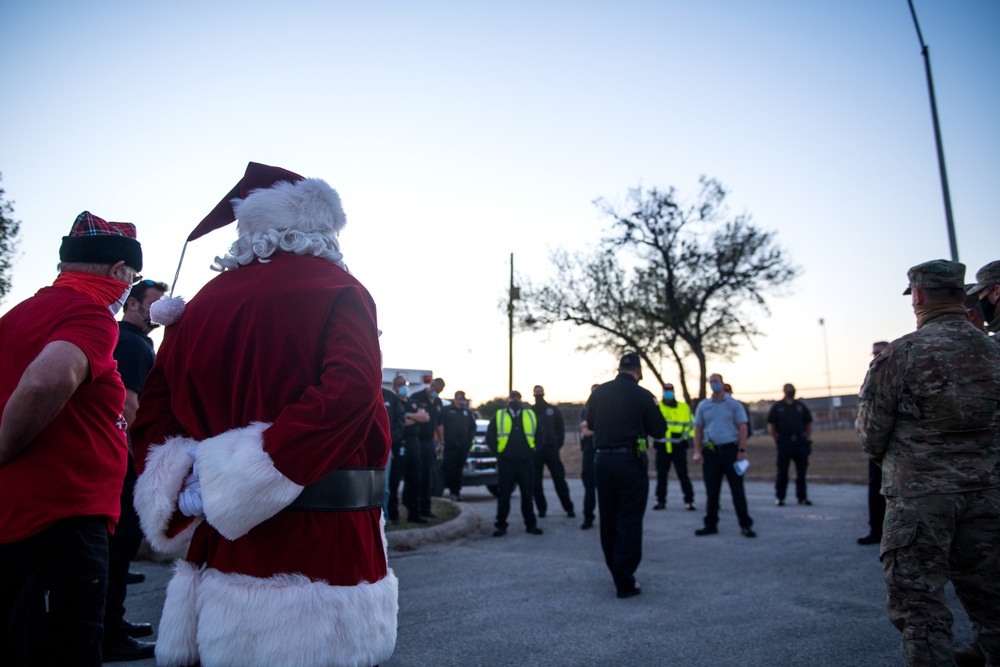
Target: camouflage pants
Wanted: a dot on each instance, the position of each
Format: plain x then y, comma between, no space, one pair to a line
928,541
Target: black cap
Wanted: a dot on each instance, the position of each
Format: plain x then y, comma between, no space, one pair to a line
630,361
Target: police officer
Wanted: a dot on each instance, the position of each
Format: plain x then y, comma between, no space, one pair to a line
431,443
623,416
552,432
790,424
672,449
511,434
397,422
928,413
459,427
406,456
587,468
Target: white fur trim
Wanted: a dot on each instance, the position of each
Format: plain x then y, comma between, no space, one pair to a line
167,310
240,487
157,489
307,206
285,620
175,640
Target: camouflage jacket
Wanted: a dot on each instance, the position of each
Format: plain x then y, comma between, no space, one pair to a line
930,410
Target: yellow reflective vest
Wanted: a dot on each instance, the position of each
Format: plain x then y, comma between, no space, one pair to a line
505,423
680,427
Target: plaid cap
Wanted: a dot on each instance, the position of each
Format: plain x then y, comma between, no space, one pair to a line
935,274
94,240
987,276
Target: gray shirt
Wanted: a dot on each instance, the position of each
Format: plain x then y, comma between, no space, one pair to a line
720,419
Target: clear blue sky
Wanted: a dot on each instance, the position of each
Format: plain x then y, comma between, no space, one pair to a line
457,133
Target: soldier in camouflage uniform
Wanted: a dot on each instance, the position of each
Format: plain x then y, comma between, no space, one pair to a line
929,415
987,291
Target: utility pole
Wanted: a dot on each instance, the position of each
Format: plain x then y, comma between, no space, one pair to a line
937,138
829,382
512,296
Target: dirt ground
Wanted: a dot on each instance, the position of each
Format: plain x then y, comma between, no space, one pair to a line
836,457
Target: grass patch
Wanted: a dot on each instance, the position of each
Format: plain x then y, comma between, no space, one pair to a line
442,510
836,456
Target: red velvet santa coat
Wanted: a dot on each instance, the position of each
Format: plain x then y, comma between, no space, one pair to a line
273,376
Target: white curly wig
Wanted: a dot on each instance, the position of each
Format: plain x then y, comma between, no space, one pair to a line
304,218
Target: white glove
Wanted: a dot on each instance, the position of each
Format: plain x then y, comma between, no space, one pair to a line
189,502
193,475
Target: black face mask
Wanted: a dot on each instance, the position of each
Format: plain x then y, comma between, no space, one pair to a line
987,309
789,394
514,405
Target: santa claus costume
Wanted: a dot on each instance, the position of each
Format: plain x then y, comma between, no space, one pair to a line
270,381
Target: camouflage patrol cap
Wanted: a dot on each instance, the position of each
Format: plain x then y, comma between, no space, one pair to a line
935,274
987,276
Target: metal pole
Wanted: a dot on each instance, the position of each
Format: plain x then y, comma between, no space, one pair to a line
937,138
829,382
510,329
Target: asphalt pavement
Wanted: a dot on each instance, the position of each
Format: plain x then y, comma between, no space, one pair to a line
803,593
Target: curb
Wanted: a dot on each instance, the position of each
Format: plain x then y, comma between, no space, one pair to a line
398,540
407,540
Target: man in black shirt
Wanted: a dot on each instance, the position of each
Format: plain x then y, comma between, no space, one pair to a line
431,443
587,468
552,435
459,427
623,417
135,356
790,425
397,422
406,456
511,434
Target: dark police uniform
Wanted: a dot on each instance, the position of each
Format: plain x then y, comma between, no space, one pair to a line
790,423
397,422
514,466
552,435
587,474
407,468
459,431
135,357
428,449
621,413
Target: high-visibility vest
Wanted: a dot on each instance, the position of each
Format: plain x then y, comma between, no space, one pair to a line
679,424
505,423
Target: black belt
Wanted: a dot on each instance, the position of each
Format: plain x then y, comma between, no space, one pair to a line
344,490
616,450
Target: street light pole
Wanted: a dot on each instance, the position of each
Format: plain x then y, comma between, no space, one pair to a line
829,382
937,138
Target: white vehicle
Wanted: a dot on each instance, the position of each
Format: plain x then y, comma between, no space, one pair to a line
416,379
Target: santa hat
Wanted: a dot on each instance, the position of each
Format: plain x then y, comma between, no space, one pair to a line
93,240
265,198
275,198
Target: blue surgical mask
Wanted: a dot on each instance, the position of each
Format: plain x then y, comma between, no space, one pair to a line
668,395
434,395
716,386
404,391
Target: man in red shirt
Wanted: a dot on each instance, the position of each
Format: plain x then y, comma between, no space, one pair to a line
62,449
270,384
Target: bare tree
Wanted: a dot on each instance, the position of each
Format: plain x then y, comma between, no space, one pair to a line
9,228
670,281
